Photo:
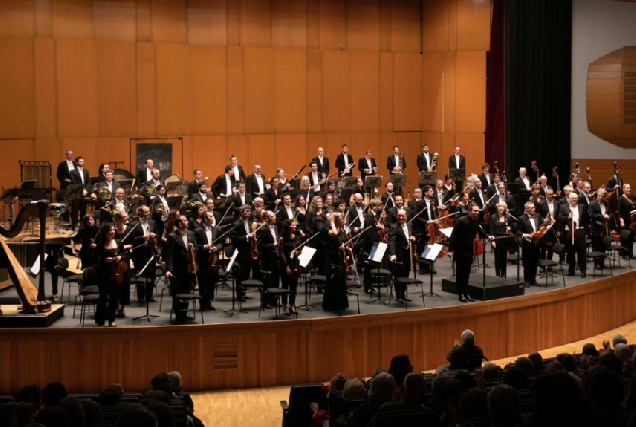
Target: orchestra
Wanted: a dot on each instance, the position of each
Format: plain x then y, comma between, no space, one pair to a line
270,221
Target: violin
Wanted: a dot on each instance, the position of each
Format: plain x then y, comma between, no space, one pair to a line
213,263
154,245
117,270
536,235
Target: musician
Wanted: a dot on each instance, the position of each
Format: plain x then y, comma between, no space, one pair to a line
118,203
101,172
567,190
149,189
486,177
367,166
388,198
425,160
239,175
300,212
449,184
315,223
314,177
242,197
391,213
340,206
105,190
523,180
205,240
193,187
395,163
457,161
359,188
578,214
142,233
501,197
584,193
241,239
440,194
224,184
202,193
272,196
255,183
478,195
86,236
460,247
64,169
283,184
305,189
625,207
343,160
428,216
322,162
79,175
216,216
501,224
106,253
291,239
599,212
543,183
535,194
401,239
180,243
285,210
355,217
123,237
328,201
196,221
461,208
145,173
160,209
329,188
371,236
491,190
528,223
615,182
267,241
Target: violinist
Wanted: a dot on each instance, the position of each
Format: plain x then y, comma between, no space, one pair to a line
207,257
355,217
106,256
501,197
143,234
273,195
181,243
300,211
450,185
267,238
195,220
625,207
242,236
388,198
316,224
86,236
501,225
290,239
124,238
400,240
461,208
391,213
528,223
285,210
369,238
574,213
601,221
428,216
478,195
440,194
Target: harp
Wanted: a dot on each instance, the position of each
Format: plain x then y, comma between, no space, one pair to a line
33,299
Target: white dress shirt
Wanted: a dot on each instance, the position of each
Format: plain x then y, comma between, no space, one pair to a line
261,184
237,175
456,161
70,165
228,185
314,177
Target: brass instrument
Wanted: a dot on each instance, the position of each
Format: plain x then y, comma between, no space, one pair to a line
192,206
400,164
159,209
434,161
108,208
104,193
151,189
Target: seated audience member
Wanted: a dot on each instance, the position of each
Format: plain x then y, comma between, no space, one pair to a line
605,390
163,382
609,360
616,339
559,402
623,352
380,392
400,367
555,366
178,390
567,361
52,417
467,380
473,404
31,394
525,365
514,377
16,414
74,411
92,413
630,399
136,416
450,394
110,397
490,372
590,349
504,406
436,387
354,391
158,395
467,355
53,394
537,361
162,411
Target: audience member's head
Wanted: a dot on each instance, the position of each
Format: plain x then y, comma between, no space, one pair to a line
618,339
490,371
567,361
473,404
175,378
623,352
590,349
24,413
8,415
92,413
468,338
559,401
382,388
450,393
525,365
438,384
136,416
74,411
354,389
609,360
110,397
158,395
337,382
504,406
165,417
400,367
163,382
537,361
414,387
30,394
52,417
53,393
514,377
467,380
555,366
605,389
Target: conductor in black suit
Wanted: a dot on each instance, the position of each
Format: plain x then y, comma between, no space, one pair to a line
64,170
343,160
425,160
322,162
367,166
79,175
578,214
457,161
180,243
460,247
396,163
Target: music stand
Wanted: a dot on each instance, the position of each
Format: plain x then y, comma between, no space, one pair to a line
174,202
73,192
173,189
457,175
7,197
427,178
398,181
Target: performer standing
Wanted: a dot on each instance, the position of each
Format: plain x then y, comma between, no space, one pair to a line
343,160
241,239
64,170
80,176
625,207
255,183
322,162
223,184
207,258
367,166
239,175
599,213
86,236
576,213
180,243
143,232
501,226
401,239
395,163
528,223
267,240
290,240
144,174
106,256
425,160
124,239
457,161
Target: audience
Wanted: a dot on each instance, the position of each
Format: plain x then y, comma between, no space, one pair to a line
53,394
467,355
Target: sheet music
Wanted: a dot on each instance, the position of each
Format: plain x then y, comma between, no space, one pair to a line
231,263
447,231
432,251
306,255
35,269
377,252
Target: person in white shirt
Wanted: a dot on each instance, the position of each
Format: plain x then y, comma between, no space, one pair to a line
256,182
396,163
64,169
575,212
523,180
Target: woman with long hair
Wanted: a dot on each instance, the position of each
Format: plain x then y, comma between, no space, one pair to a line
501,225
125,238
290,241
106,254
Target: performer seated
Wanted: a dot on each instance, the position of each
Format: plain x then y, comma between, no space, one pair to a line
201,194
573,220
193,186
523,181
601,221
388,198
528,223
501,197
180,243
501,225
208,249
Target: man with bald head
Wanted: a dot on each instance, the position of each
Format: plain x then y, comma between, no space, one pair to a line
574,215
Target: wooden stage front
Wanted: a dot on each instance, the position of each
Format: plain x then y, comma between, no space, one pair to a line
270,353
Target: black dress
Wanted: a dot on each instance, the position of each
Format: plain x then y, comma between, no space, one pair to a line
124,288
86,236
108,288
504,245
288,282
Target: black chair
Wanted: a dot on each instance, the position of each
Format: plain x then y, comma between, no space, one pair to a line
85,396
67,278
350,285
166,283
298,411
88,293
317,280
600,256
190,298
557,248
401,275
622,248
6,399
272,289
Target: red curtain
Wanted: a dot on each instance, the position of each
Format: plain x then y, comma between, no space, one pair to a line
495,120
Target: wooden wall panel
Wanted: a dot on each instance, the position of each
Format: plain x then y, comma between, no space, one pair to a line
448,148
235,90
17,18
385,25
434,26
146,90
315,140
473,25
262,150
289,23
290,90
472,145
256,23
406,28
471,87
210,154
334,144
333,25
45,88
313,24
208,89
450,93
14,150
17,106
434,141
387,141
43,18
259,90
187,154
432,92
408,92
602,169
365,95
336,91
116,89
144,20
207,22
115,20
292,151
386,92
73,19
76,88
173,102
111,150
314,90
168,21
361,142
49,149
363,25
410,144
85,147
452,25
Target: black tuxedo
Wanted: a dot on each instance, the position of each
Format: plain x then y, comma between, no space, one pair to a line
176,258
391,163
391,214
353,218
200,197
400,246
241,175
322,167
530,250
579,245
613,182
522,184
238,201
461,245
145,191
282,215
75,178
390,203
508,199
63,174
341,164
79,205
312,181
220,186
267,249
106,217
362,165
452,164
142,176
475,195
193,187
424,161
544,209
544,189
484,182
597,219
251,186
241,242
102,201
207,280
436,193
